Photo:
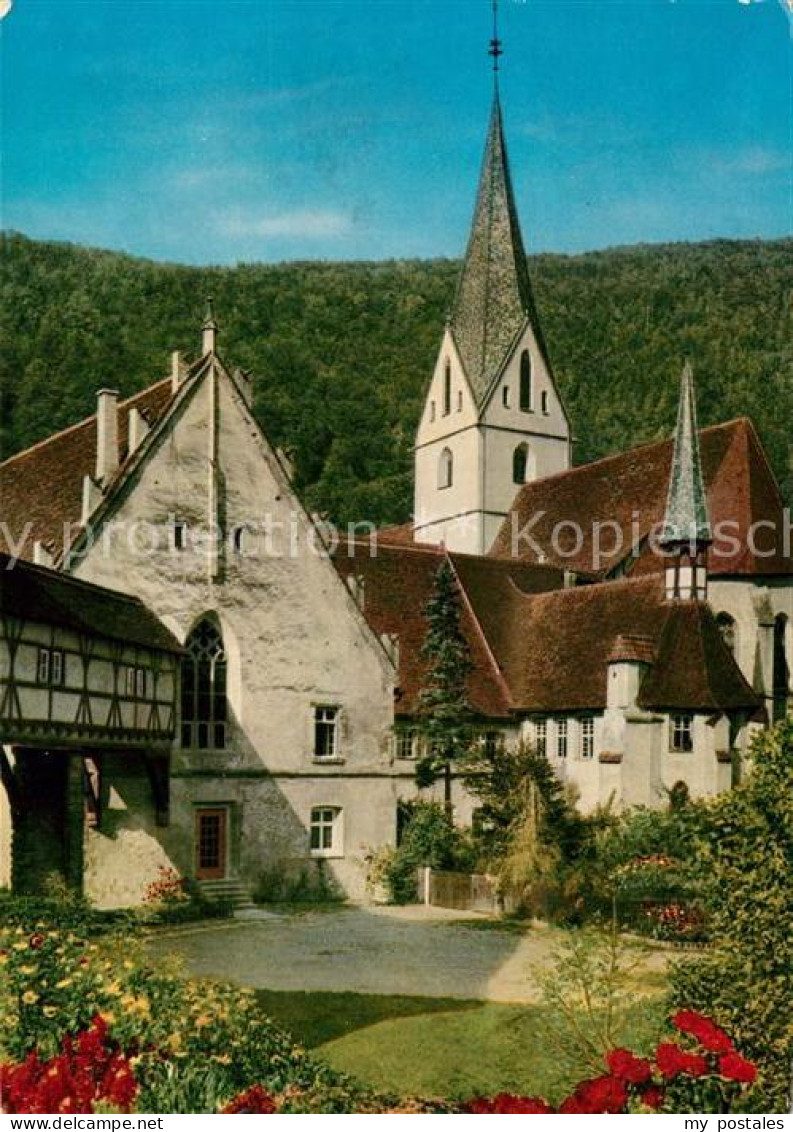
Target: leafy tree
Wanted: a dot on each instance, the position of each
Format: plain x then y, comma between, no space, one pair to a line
445,718
745,866
428,839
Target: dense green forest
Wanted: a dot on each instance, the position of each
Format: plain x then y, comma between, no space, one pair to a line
341,352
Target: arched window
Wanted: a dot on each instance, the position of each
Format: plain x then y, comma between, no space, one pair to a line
445,469
781,668
447,388
204,688
526,390
520,463
729,631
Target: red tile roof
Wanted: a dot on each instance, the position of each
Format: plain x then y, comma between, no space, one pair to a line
41,488
626,495
538,647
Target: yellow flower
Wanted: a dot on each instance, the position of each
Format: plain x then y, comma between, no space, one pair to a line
64,983
202,1020
27,970
50,1011
21,946
113,988
29,997
221,1058
174,1042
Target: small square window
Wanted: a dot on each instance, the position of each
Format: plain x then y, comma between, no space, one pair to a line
406,743
326,727
325,837
681,733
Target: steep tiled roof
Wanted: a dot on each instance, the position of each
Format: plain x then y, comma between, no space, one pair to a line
37,594
41,488
695,669
494,297
398,582
629,490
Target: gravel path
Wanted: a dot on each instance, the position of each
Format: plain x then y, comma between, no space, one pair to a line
395,951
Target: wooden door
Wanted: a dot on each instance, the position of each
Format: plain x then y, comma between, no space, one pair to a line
211,842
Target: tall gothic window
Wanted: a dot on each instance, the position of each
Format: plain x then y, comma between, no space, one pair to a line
445,469
728,630
447,389
204,710
526,391
520,463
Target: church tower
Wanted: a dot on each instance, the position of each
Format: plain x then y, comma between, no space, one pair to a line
686,533
493,418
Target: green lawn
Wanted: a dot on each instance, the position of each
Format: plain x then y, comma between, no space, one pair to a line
447,1047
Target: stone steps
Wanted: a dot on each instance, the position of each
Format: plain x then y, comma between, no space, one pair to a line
227,891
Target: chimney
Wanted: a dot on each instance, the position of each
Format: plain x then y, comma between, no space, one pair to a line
137,429
177,370
106,435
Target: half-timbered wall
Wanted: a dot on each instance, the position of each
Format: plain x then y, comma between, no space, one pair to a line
58,687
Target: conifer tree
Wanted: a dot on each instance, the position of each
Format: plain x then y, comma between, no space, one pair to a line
446,720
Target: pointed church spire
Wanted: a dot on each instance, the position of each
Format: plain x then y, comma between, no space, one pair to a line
494,298
686,533
209,329
686,521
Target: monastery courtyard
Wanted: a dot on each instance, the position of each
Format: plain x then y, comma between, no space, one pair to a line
414,951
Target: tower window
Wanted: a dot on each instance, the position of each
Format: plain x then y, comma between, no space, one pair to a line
178,534
447,388
520,463
238,538
204,689
681,733
544,402
526,383
505,396
446,469
459,400
432,410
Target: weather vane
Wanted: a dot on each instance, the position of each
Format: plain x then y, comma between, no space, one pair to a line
496,50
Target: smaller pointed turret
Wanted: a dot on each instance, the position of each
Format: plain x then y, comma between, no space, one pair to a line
209,330
686,533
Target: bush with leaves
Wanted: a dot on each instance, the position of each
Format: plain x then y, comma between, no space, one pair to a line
745,866
428,839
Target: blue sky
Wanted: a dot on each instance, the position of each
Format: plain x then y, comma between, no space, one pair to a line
224,130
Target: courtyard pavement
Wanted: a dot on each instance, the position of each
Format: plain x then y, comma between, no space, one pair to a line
372,950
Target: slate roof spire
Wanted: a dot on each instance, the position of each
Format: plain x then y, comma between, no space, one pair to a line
494,298
686,522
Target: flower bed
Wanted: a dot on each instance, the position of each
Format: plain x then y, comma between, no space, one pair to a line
87,1027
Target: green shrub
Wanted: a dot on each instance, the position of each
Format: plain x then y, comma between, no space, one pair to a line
313,884
428,839
745,866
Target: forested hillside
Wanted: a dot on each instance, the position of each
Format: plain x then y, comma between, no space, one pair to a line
342,351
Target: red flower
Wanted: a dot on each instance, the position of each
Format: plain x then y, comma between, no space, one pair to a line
737,1068
599,1094
706,1032
254,1101
36,940
672,1061
479,1106
652,1096
627,1067
506,1103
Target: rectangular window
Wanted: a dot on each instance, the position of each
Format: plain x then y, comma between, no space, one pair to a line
135,683
490,743
178,534
505,396
326,726
681,733
587,737
140,683
406,742
51,667
541,737
561,738
326,832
